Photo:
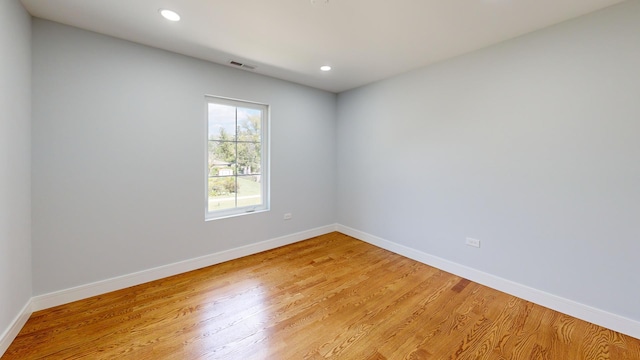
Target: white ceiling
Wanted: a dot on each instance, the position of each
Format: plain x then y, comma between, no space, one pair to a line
363,40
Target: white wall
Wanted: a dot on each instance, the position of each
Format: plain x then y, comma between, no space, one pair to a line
118,156
531,146
15,161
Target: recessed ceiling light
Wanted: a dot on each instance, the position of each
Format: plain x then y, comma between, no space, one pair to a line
325,68
170,15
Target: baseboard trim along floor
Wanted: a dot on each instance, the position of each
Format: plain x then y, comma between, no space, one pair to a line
49,300
583,312
16,325
566,306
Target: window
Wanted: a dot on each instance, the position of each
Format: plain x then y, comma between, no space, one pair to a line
237,159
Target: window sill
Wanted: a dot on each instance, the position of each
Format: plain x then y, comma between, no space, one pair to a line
209,217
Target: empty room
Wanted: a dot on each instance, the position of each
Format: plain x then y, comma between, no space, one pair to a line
310,179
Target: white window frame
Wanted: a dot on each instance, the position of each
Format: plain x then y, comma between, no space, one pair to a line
264,158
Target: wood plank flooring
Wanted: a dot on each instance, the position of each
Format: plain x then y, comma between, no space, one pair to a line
330,297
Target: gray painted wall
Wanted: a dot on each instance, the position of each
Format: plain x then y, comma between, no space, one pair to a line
15,160
530,146
118,157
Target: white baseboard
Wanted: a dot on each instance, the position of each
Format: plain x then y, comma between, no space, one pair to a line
584,312
596,316
45,301
16,325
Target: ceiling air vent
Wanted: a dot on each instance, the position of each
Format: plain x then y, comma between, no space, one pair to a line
241,65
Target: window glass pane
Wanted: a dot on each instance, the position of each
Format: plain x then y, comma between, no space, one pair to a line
222,122
222,158
249,121
249,158
249,190
222,193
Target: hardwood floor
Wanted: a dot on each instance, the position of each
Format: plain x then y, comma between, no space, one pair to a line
327,297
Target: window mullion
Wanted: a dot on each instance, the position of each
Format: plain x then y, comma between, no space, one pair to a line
236,144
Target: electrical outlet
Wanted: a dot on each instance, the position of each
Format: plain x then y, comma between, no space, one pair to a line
288,216
473,242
